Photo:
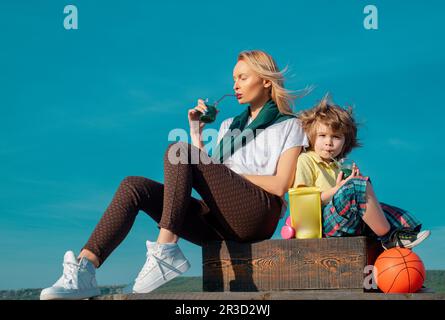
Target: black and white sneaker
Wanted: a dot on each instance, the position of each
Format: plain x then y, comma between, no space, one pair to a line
405,238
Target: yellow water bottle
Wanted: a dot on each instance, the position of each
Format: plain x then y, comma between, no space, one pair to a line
305,212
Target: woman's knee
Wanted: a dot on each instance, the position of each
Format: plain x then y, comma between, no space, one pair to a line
179,153
132,182
137,189
177,145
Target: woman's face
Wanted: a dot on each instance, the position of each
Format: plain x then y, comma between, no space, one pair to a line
248,86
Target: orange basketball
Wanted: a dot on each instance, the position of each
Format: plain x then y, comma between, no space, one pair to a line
399,270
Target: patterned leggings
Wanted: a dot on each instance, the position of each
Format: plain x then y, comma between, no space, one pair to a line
232,208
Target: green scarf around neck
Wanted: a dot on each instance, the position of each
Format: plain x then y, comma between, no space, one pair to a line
239,135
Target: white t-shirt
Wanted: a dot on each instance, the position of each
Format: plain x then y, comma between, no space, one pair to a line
260,156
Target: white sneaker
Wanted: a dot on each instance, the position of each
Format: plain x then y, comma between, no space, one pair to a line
164,263
77,282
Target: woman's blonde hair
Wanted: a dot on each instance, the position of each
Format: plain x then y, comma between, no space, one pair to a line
265,66
336,118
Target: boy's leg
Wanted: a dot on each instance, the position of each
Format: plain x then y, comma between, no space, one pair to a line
356,201
353,205
405,228
374,216
399,218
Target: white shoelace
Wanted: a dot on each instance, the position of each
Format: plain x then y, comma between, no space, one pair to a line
69,271
152,261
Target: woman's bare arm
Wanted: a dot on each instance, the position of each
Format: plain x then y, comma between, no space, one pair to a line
280,183
197,141
196,126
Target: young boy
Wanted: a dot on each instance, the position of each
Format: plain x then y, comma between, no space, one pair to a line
349,205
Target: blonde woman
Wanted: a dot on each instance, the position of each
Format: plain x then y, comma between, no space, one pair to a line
242,186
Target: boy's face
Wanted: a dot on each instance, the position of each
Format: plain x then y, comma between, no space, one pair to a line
328,144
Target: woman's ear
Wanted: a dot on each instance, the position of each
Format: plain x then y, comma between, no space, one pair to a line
267,83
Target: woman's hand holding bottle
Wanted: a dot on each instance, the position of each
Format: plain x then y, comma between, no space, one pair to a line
196,126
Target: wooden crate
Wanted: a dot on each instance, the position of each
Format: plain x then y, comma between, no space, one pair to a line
328,263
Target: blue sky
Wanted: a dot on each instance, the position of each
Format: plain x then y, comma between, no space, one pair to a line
82,109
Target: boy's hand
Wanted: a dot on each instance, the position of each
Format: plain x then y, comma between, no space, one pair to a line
355,173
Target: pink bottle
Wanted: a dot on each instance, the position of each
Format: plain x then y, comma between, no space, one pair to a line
287,232
288,222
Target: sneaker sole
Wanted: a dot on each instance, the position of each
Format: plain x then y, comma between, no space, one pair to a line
171,274
70,296
418,240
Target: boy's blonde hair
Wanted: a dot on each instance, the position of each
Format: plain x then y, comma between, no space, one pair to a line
266,68
336,118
